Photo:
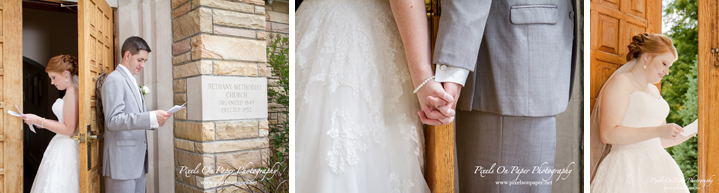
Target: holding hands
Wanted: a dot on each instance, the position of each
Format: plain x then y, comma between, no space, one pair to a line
438,103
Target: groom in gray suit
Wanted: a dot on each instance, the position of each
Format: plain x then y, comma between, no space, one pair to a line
125,150
513,63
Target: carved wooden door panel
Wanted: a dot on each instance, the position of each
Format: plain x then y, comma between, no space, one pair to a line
96,54
613,23
11,94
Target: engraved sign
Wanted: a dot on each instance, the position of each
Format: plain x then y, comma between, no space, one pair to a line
226,97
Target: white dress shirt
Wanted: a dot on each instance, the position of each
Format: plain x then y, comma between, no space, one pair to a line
153,116
446,73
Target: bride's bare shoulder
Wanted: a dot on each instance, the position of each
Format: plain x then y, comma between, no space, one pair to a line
619,84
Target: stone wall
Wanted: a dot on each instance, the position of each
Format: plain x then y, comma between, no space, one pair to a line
226,39
277,15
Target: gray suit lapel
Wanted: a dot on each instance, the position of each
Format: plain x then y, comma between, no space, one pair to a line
133,88
143,108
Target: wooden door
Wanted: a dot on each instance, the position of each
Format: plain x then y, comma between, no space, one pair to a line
11,162
439,140
613,23
708,138
96,54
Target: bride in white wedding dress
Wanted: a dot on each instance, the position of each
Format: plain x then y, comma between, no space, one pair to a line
59,169
357,122
629,117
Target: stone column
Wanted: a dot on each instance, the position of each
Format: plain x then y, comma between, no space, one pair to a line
219,56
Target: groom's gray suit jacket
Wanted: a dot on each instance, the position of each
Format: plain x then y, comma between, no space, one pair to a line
521,55
125,149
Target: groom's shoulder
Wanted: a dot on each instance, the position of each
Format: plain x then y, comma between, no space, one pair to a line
114,75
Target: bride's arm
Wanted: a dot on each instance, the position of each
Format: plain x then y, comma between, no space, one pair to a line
411,18
70,115
666,143
614,105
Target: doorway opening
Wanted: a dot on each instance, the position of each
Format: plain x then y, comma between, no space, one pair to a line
49,29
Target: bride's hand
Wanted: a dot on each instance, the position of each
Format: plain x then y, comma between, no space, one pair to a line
430,115
453,89
31,119
670,131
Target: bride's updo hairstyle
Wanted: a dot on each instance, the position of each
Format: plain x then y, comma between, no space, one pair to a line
654,44
60,63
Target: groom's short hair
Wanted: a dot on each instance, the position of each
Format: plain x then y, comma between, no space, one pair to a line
134,44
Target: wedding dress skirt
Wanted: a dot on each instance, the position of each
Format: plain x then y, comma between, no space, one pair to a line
357,127
644,166
59,169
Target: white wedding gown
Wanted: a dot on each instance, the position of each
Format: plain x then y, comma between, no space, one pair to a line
357,128
59,170
644,166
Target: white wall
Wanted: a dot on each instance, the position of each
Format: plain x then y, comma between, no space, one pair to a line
46,34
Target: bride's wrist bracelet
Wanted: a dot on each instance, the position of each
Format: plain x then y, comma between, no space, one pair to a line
42,123
423,83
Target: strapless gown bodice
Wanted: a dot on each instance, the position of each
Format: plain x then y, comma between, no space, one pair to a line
643,166
644,110
59,170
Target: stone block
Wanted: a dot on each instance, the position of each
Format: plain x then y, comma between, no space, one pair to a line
237,130
194,22
192,69
235,68
245,33
228,48
179,85
233,145
182,58
195,131
237,19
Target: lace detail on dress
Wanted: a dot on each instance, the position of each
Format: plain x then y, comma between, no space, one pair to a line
400,186
363,59
408,128
347,139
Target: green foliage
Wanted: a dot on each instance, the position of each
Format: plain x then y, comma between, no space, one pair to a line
680,87
277,57
683,16
685,154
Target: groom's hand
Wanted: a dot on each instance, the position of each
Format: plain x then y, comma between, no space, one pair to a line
453,89
162,117
429,114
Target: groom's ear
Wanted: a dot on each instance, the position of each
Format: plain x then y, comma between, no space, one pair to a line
126,55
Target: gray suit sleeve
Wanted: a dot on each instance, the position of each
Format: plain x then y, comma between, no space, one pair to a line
113,104
461,28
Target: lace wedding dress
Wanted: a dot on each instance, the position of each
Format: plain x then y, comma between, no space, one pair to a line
644,166
357,127
59,170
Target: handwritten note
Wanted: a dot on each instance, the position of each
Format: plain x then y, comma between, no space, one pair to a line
691,128
13,113
176,108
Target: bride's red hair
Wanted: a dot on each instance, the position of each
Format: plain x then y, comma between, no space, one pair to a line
650,43
60,63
